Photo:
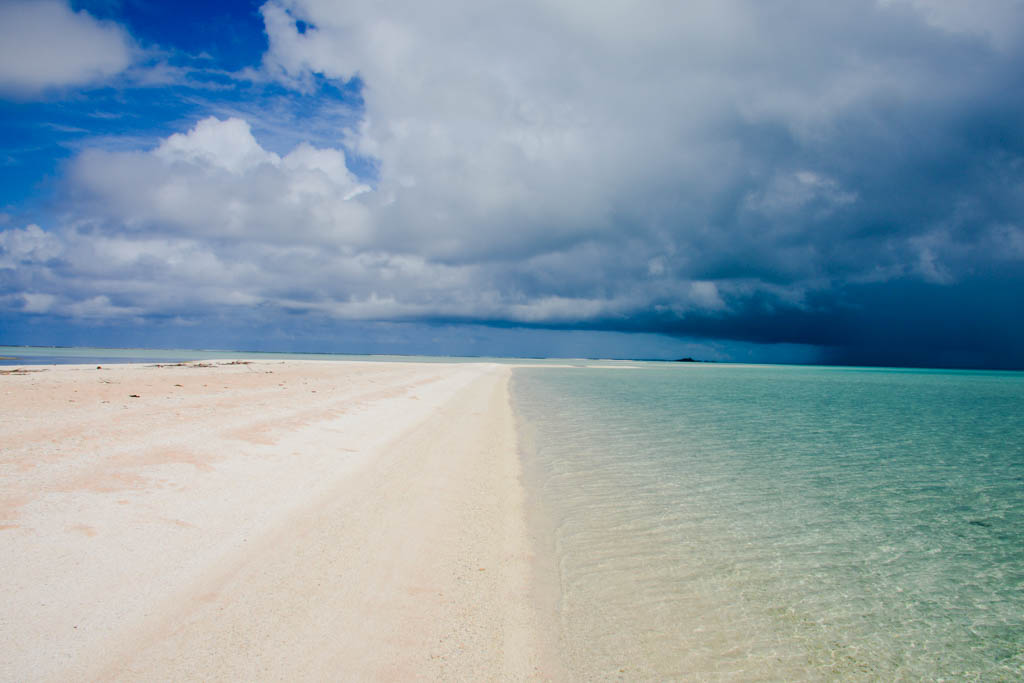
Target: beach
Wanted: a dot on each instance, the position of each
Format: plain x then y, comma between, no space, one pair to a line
266,518
256,520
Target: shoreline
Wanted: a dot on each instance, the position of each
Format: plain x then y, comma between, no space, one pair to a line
546,587
267,519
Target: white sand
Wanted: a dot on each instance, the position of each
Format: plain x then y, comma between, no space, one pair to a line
297,520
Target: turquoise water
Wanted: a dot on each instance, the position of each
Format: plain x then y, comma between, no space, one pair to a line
782,523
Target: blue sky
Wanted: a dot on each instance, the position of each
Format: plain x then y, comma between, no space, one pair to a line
735,180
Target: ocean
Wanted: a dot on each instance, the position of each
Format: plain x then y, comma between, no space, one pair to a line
746,522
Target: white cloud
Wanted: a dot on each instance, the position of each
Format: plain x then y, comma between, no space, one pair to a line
99,307
29,245
44,44
217,182
38,303
228,145
528,126
706,295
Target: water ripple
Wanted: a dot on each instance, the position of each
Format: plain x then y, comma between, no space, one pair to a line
784,523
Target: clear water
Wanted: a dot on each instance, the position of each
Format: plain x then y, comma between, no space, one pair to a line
782,523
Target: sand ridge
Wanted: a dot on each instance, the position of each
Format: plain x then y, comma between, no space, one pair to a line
265,520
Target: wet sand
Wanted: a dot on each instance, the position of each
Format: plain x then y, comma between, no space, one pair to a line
296,520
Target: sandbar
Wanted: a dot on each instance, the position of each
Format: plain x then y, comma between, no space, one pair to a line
266,520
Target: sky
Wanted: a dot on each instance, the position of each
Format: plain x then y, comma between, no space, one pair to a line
733,180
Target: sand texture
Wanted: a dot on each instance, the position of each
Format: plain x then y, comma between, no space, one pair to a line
294,520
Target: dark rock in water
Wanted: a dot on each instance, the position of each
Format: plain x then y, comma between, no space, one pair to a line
687,360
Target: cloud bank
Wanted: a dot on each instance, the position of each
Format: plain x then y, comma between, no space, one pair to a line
849,176
44,45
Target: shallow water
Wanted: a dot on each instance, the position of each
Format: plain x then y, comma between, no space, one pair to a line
782,523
